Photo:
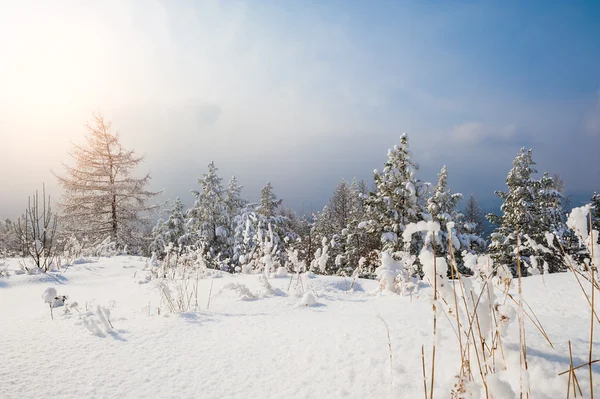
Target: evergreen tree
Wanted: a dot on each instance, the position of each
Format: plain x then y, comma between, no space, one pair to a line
332,222
531,209
257,224
549,204
233,198
517,215
358,242
441,205
268,201
173,231
207,219
398,198
101,197
234,204
474,219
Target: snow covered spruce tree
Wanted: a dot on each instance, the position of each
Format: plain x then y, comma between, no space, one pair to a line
208,220
270,214
234,204
268,202
474,218
398,199
101,196
531,209
171,231
357,241
261,231
441,205
332,221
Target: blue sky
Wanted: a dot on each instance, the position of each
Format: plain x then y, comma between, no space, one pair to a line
303,93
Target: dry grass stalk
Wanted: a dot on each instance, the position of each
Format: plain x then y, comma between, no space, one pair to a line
435,304
593,278
212,280
572,376
522,339
424,374
387,330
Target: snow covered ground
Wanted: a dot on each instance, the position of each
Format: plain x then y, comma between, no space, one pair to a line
273,346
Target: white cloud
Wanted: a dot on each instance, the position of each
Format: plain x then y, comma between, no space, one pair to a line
477,132
469,132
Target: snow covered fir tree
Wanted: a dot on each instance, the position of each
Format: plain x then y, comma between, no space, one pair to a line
531,209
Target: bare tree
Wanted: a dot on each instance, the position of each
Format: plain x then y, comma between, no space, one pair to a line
36,231
101,197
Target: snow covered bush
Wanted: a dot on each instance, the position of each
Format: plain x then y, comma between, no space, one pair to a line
97,321
390,272
321,256
3,268
106,247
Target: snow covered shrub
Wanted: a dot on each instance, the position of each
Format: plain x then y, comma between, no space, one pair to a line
72,249
104,248
97,321
390,273
3,268
242,291
321,257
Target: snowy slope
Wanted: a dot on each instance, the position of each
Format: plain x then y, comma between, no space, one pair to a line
272,347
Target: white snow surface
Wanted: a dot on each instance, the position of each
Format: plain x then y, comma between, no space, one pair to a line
114,343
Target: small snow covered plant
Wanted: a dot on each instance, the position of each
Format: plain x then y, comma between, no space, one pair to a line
298,267
3,268
321,257
53,299
178,277
390,272
97,321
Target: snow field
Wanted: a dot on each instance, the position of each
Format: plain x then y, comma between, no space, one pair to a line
327,342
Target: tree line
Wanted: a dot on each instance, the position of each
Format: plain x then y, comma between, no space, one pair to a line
103,200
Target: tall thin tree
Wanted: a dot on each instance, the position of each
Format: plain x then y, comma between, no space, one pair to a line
101,197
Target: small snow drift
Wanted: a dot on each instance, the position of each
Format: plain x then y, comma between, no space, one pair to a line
281,272
308,299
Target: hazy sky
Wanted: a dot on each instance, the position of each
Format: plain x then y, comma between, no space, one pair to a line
302,93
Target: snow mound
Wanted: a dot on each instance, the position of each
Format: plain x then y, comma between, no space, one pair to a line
281,272
334,284
81,261
308,299
242,291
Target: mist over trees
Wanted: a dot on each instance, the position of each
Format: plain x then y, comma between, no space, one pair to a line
104,202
